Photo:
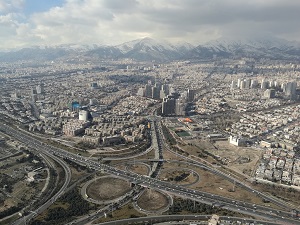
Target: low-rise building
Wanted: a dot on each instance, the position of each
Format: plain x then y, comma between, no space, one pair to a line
236,141
75,127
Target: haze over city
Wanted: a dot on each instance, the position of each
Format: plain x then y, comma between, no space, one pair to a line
25,23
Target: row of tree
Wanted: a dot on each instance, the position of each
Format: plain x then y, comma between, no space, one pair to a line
188,205
170,139
11,210
72,205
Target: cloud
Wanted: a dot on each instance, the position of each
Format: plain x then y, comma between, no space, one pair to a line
7,26
7,6
116,21
120,5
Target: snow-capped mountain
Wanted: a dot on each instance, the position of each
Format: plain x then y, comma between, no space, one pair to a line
78,47
267,47
185,46
35,53
257,43
148,49
145,44
105,52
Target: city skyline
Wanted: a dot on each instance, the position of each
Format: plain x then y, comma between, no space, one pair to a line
26,23
146,127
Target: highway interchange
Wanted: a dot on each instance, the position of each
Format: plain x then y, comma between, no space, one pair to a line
57,154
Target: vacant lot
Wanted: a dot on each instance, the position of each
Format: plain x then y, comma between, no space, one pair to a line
139,168
242,159
211,183
152,200
179,176
107,188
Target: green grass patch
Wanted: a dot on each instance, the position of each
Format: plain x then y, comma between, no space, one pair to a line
183,134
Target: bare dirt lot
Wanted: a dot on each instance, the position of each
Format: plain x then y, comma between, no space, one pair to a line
107,188
13,178
214,184
241,159
179,176
152,200
138,168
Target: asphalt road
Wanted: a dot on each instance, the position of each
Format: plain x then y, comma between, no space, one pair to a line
37,146
146,181
188,218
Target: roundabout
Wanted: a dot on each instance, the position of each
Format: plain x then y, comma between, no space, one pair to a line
105,189
153,202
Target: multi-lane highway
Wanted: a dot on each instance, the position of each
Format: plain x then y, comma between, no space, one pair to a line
146,181
226,176
38,145
186,219
55,196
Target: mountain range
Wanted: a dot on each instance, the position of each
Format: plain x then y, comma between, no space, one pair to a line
148,49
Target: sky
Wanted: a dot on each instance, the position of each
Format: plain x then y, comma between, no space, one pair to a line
25,23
